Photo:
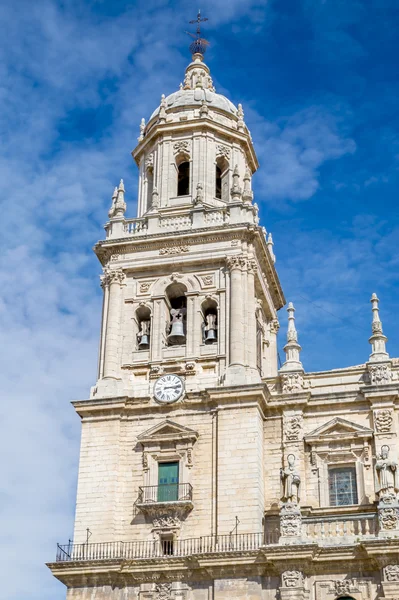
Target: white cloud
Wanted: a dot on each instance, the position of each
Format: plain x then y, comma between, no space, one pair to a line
54,196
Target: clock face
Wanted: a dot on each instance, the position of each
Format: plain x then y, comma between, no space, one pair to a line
168,388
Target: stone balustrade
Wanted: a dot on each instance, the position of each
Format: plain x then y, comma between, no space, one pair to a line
336,529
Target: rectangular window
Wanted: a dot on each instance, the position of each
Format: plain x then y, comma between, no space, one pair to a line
168,482
342,486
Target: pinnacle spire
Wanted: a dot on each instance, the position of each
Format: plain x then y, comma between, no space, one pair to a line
377,339
292,348
270,244
118,206
247,195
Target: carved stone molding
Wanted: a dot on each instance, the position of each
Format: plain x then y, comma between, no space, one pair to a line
344,586
163,591
222,150
292,382
290,520
293,428
149,162
383,420
174,250
166,521
292,579
181,147
145,286
379,374
388,516
391,573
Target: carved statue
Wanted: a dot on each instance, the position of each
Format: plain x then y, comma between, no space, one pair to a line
387,474
291,481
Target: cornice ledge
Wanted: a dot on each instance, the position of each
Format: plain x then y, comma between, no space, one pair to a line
254,390
387,390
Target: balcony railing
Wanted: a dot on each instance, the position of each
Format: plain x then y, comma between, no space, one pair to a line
330,527
170,492
159,548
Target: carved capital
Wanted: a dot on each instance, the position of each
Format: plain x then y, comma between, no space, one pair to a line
112,276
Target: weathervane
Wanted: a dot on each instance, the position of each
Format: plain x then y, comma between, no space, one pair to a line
200,44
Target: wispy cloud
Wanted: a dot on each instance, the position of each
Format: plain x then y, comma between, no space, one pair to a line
75,79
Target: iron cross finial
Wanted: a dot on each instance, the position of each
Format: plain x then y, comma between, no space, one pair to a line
200,44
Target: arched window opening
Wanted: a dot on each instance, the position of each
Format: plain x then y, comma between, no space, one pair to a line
183,179
210,322
218,191
176,330
143,317
222,179
150,186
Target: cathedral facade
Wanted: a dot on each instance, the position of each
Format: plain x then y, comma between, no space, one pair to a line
206,472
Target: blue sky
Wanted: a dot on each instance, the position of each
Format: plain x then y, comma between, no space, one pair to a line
318,80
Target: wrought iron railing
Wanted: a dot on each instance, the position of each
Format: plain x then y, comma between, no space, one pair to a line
163,548
170,492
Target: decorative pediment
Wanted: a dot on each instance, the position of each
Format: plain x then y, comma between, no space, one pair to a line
338,429
168,431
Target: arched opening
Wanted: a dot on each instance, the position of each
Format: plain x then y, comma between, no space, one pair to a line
176,334
143,318
210,321
183,178
222,179
150,186
218,190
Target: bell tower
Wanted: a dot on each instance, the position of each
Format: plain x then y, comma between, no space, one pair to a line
172,434
190,284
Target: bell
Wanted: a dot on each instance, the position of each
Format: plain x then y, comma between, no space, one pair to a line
144,342
176,335
210,336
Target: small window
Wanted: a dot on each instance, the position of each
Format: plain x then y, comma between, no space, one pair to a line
218,191
183,179
342,486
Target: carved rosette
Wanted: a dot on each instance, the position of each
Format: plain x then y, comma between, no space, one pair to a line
292,579
391,573
293,428
291,382
290,520
383,420
379,374
112,276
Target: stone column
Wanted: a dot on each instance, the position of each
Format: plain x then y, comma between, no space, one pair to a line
237,307
293,586
251,316
114,279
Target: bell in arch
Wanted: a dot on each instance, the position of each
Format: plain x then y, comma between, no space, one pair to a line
176,335
210,329
144,335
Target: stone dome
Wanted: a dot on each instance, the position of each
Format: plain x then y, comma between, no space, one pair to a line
194,98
